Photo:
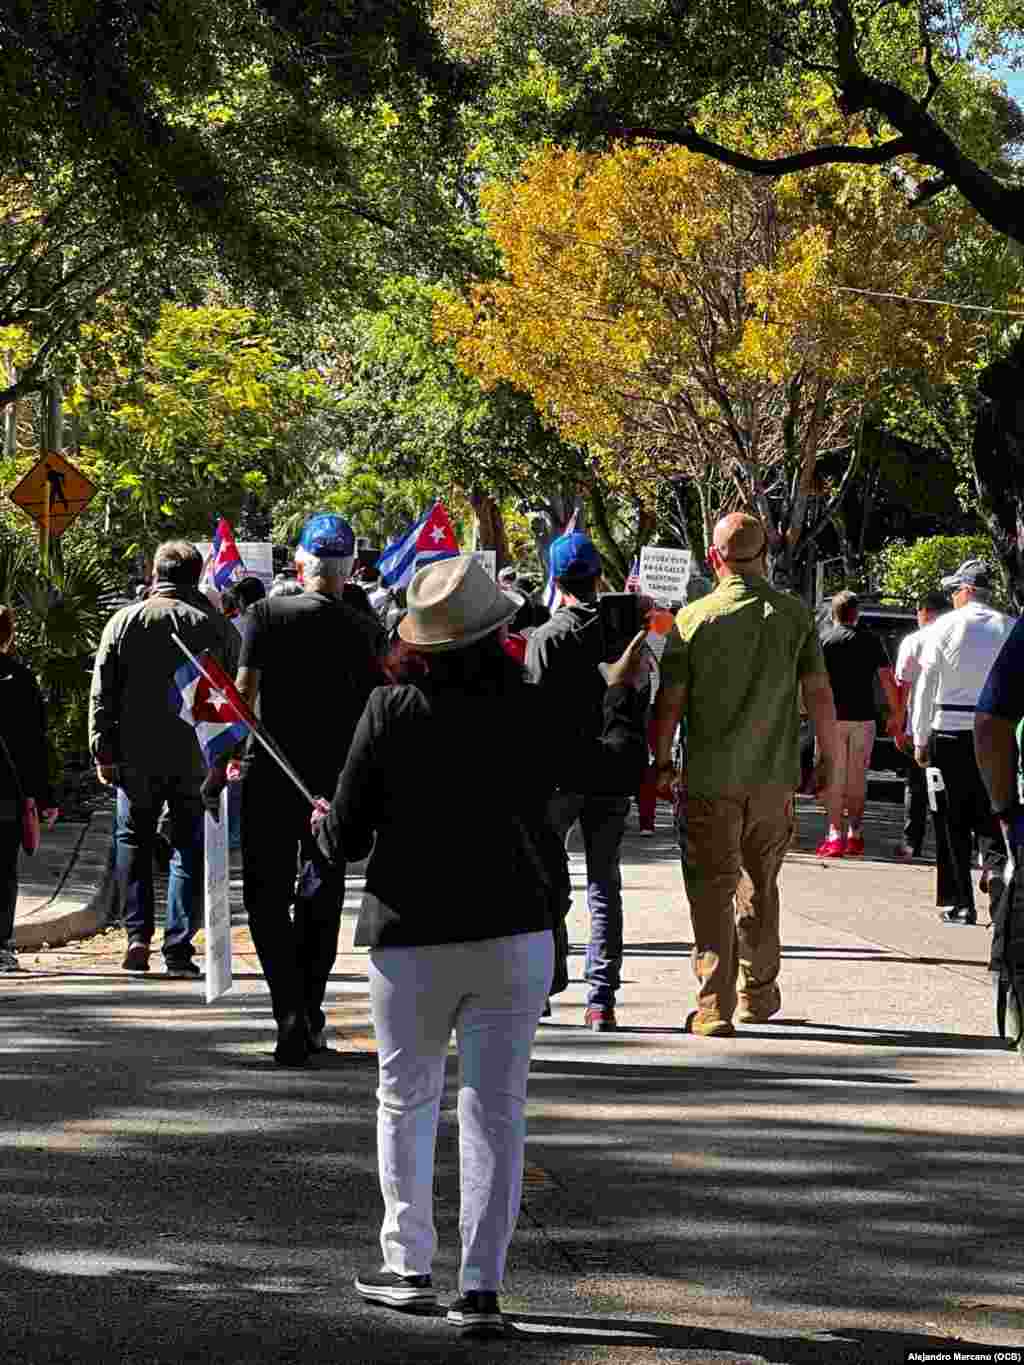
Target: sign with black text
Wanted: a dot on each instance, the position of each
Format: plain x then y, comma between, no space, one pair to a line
664,574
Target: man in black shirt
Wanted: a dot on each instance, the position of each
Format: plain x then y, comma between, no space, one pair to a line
854,657
287,640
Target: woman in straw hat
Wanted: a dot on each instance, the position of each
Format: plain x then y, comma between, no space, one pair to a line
461,892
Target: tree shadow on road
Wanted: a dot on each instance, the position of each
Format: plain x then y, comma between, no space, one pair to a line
170,1196
843,1345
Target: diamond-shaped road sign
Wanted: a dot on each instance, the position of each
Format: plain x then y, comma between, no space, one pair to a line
70,493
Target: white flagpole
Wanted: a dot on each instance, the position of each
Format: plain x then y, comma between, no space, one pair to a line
257,730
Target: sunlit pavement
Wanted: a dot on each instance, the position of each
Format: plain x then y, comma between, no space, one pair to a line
841,1186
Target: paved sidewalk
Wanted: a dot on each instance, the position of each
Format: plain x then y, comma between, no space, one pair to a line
842,1186
65,887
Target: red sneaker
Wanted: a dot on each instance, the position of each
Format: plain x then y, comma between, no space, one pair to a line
855,846
831,848
600,1019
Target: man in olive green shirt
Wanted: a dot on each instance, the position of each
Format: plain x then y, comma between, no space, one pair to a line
734,666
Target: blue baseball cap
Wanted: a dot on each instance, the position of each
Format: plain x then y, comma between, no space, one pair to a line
574,556
328,536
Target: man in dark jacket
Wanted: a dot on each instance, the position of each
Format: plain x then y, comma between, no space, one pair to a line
563,658
142,747
23,775
286,641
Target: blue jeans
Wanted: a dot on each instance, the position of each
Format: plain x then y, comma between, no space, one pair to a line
603,822
140,799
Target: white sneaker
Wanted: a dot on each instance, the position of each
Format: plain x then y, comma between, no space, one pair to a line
8,960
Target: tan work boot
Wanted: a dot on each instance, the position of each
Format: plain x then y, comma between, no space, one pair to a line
759,1006
707,1025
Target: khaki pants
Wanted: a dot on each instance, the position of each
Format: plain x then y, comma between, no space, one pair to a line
732,851
850,776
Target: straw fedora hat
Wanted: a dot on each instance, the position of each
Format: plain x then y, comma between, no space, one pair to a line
454,603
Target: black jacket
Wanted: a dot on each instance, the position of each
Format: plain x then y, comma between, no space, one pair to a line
562,658
456,787
23,728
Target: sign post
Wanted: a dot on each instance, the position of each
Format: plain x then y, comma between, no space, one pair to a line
664,574
44,528
218,903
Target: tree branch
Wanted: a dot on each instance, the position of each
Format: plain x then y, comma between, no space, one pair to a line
771,166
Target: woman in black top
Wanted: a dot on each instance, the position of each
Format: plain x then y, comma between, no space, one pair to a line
23,774
448,780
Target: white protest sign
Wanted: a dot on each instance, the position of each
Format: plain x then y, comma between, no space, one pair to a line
257,556
218,903
664,574
489,559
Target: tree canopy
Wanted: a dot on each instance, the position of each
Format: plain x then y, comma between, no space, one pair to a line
664,70
683,318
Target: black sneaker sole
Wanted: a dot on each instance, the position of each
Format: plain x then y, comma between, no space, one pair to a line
477,1324
397,1298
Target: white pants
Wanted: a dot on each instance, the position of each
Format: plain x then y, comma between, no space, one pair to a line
492,993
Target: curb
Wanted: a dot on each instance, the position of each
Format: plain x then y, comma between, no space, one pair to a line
82,913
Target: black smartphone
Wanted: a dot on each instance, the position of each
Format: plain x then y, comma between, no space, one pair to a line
619,614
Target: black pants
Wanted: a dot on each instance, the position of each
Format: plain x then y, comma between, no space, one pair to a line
297,949
969,818
915,806
10,844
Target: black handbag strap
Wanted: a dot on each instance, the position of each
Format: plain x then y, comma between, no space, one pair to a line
14,772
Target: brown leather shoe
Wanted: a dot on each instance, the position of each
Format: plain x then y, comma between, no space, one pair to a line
759,1008
708,1025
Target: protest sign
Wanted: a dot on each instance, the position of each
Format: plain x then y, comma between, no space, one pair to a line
218,903
664,574
257,556
489,559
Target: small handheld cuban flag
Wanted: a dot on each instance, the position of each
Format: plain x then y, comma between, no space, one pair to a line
225,563
430,538
218,715
633,581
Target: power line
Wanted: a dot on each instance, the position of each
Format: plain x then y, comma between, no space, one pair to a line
911,298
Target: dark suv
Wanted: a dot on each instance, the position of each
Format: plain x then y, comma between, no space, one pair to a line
891,625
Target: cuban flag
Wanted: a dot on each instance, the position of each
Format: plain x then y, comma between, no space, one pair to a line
633,581
552,596
429,539
224,565
204,697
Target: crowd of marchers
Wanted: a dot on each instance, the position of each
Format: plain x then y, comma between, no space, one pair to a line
394,717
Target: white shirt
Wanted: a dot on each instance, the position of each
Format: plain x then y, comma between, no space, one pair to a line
959,651
908,666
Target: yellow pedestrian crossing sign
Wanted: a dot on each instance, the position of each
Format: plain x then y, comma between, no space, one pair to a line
54,494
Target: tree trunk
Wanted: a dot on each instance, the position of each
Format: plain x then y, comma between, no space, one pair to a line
616,563
550,522
490,526
10,413
997,457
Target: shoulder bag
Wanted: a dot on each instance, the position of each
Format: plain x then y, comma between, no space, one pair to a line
29,812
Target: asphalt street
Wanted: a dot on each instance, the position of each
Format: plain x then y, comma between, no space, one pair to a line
842,1186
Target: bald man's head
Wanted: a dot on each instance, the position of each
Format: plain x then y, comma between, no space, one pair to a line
739,542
